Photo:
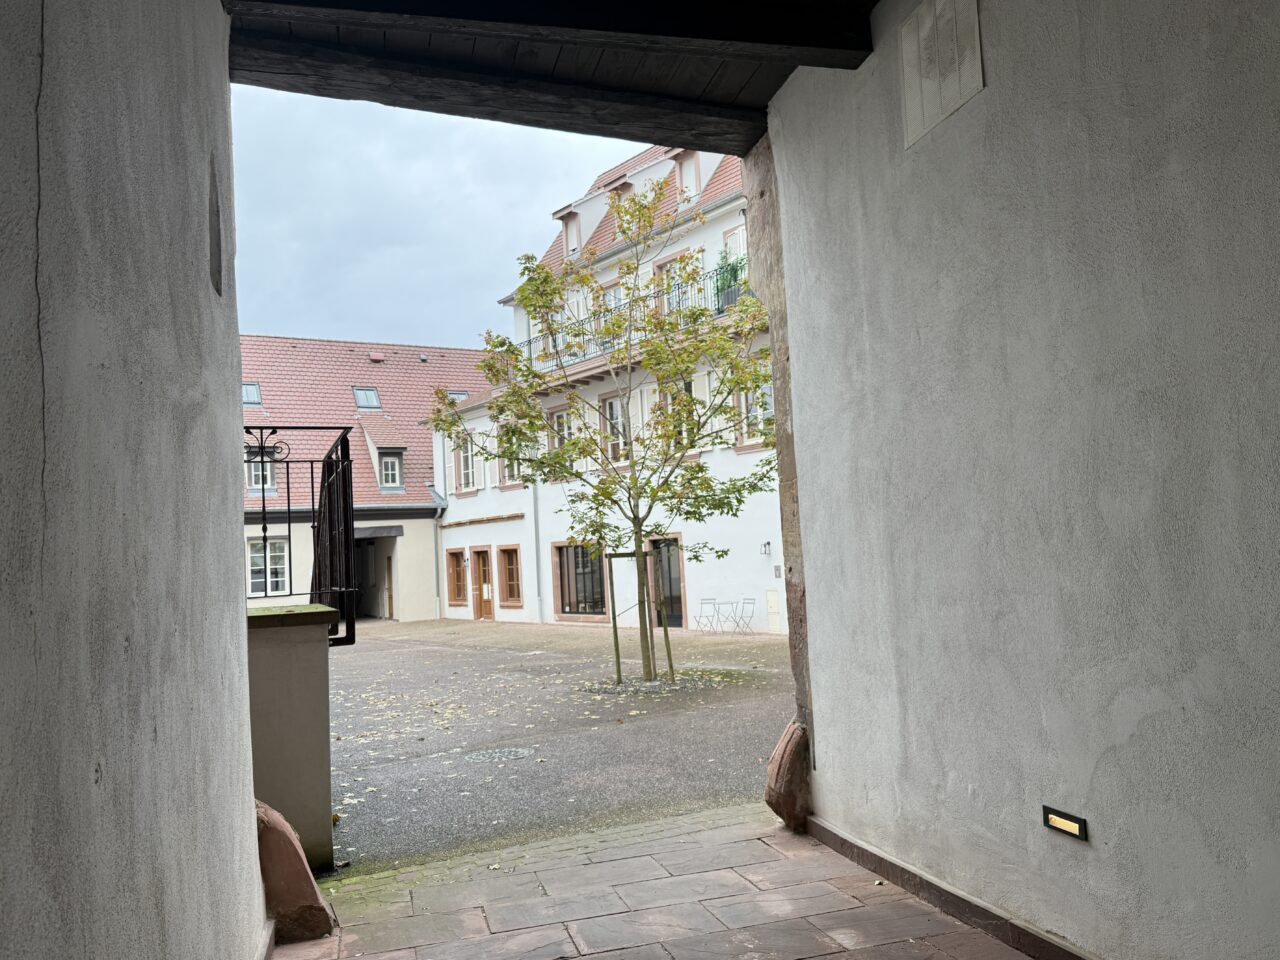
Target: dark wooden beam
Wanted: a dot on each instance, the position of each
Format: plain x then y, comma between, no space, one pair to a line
329,71
837,36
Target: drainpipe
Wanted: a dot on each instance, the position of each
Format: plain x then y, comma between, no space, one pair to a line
436,534
444,473
537,553
537,530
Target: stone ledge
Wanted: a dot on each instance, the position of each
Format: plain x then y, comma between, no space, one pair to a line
298,615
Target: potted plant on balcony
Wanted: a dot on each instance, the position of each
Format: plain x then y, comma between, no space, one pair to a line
730,272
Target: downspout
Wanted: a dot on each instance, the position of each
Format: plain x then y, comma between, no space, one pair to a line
444,497
436,534
537,529
537,553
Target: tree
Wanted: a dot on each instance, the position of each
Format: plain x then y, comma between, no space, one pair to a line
684,369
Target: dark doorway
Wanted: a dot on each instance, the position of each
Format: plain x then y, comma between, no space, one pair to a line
668,582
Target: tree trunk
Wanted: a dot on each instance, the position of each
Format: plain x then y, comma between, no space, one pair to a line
642,606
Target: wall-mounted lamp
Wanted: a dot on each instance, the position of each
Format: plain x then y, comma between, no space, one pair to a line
766,548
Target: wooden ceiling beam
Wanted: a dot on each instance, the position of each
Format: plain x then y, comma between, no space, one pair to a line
837,36
332,71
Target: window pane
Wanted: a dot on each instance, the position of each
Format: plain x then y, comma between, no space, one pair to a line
257,568
391,471
250,393
367,397
278,567
581,581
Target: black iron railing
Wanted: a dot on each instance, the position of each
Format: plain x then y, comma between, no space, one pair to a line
716,290
302,475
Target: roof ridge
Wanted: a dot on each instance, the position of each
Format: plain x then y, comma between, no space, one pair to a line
358,343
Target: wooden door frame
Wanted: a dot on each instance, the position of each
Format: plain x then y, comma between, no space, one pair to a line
476,593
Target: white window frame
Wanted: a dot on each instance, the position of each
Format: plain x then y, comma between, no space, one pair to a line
619,440
467,465
754,413
557,437
275,566
377,398
257,392
396,461
260,467
737,236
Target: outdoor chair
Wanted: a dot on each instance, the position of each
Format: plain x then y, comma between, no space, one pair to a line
726,615
742,619
705,620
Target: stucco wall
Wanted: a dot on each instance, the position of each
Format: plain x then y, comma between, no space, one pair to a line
125,779
415,570
745,572
1037,385
289,716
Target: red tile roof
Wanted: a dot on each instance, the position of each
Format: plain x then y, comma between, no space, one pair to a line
309,383
725,181
630,165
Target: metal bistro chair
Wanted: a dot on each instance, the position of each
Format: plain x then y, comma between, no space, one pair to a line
727,616
705,620
742,619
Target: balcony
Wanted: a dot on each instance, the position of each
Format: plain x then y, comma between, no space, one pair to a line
716,290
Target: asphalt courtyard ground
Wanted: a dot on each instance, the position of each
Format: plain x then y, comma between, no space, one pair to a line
453,736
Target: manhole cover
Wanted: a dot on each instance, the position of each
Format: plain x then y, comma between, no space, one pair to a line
497,756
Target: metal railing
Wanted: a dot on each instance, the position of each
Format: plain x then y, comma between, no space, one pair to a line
310,484
716,290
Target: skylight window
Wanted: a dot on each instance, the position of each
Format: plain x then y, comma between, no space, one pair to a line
367,398
250,395
458,395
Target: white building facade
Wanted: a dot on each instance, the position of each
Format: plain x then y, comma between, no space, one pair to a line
506,551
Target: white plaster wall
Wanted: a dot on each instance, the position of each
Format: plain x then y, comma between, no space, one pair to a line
1036,391
746,572
124,724
289,717
415,569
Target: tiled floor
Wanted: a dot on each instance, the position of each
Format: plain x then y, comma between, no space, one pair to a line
730,884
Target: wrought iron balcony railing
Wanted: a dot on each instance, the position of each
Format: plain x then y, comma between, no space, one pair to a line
302,475
716,290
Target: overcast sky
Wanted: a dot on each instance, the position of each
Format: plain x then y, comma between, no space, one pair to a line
362,222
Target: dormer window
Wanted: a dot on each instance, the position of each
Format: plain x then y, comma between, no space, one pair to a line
391,470
572,233
367,398
250,394
689,174
260,475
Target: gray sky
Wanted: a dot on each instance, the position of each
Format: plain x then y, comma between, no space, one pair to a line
363,222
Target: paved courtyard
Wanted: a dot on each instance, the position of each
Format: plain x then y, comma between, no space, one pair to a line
727,883
450,736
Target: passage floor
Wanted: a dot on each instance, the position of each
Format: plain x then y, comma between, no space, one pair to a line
731,883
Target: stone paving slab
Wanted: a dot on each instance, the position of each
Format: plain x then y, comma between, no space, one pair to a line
788,940
703,857
690,888
871,926
785,903
672,922
543,910
593,876
538,943
684,889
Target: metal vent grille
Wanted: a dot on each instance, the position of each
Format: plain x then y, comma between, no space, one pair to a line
941,56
